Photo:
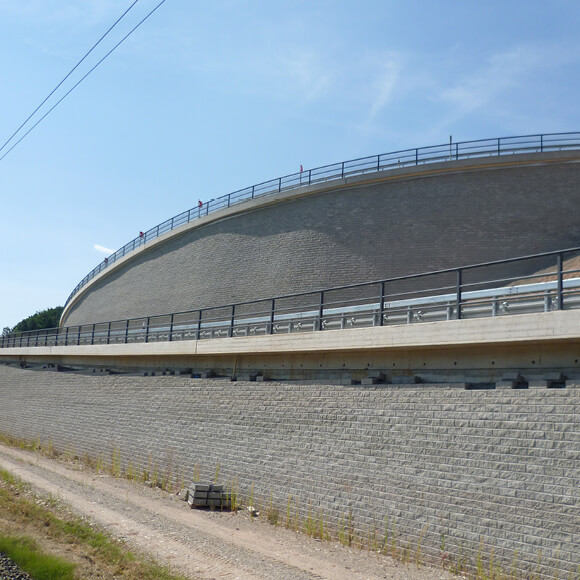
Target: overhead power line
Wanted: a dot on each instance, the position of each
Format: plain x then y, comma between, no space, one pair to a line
68,75
80,81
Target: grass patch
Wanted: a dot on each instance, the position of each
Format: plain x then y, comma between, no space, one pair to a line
42,517
25,552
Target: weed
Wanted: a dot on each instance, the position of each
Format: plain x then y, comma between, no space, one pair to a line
116,462
296,520
196,474
272,513
514,564
321,533
166,481
479,561
288,505
385,536
394,547
130,472
235,506
49,449
418,561
309,524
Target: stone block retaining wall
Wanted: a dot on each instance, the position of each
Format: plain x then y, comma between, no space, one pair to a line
357,233
484,471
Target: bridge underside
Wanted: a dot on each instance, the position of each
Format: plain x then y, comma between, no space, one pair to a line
529,350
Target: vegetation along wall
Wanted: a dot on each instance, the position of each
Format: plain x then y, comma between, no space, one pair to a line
462,474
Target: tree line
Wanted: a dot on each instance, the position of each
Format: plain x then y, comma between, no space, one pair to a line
48,318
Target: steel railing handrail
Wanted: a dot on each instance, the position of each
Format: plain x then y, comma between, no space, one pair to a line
382,297
538,143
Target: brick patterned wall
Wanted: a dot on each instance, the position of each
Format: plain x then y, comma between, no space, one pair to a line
361,233
485,470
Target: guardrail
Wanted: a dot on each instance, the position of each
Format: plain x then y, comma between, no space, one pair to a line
375,163
490,289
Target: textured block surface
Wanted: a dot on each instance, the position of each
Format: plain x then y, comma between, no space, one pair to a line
499,467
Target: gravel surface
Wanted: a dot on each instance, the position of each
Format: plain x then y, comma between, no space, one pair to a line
10,571
202,544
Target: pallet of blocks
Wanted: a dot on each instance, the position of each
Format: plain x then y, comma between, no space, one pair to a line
211,495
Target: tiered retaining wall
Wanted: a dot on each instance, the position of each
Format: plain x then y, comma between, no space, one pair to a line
365,228
486,471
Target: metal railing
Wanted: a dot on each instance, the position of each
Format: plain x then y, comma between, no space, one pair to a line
375,163
491,289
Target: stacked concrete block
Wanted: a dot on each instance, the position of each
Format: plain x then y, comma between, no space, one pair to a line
209,495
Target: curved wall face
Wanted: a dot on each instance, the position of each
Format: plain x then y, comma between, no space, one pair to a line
353,234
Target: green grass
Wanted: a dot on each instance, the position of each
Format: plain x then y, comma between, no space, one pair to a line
24,551
45,519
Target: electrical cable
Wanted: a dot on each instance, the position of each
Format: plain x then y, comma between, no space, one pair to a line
68,75
80,81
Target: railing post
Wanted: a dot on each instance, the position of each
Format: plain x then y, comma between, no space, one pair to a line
416,156
541,143
171,328
341,171
199,324
147,330
382,305
188,215
498,145
310,177
321,310
378,162
279,184
93,335
232,320
458,299
109,334
66,337
253,190
127,331
272,311
79,335
456,151
229,199
560,297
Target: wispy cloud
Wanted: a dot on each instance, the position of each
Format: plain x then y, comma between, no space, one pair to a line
383,85
100,248
523,68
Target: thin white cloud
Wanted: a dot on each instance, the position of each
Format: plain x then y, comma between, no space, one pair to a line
100,248
383,86
515,70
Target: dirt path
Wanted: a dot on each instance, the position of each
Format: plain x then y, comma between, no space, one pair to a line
200,544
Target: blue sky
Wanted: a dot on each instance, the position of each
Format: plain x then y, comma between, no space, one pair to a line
209,97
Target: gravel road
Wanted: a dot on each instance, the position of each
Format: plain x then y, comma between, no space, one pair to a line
201,544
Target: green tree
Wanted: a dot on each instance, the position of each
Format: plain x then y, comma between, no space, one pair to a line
48,318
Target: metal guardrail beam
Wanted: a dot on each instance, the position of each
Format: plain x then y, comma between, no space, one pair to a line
432,296
383,162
